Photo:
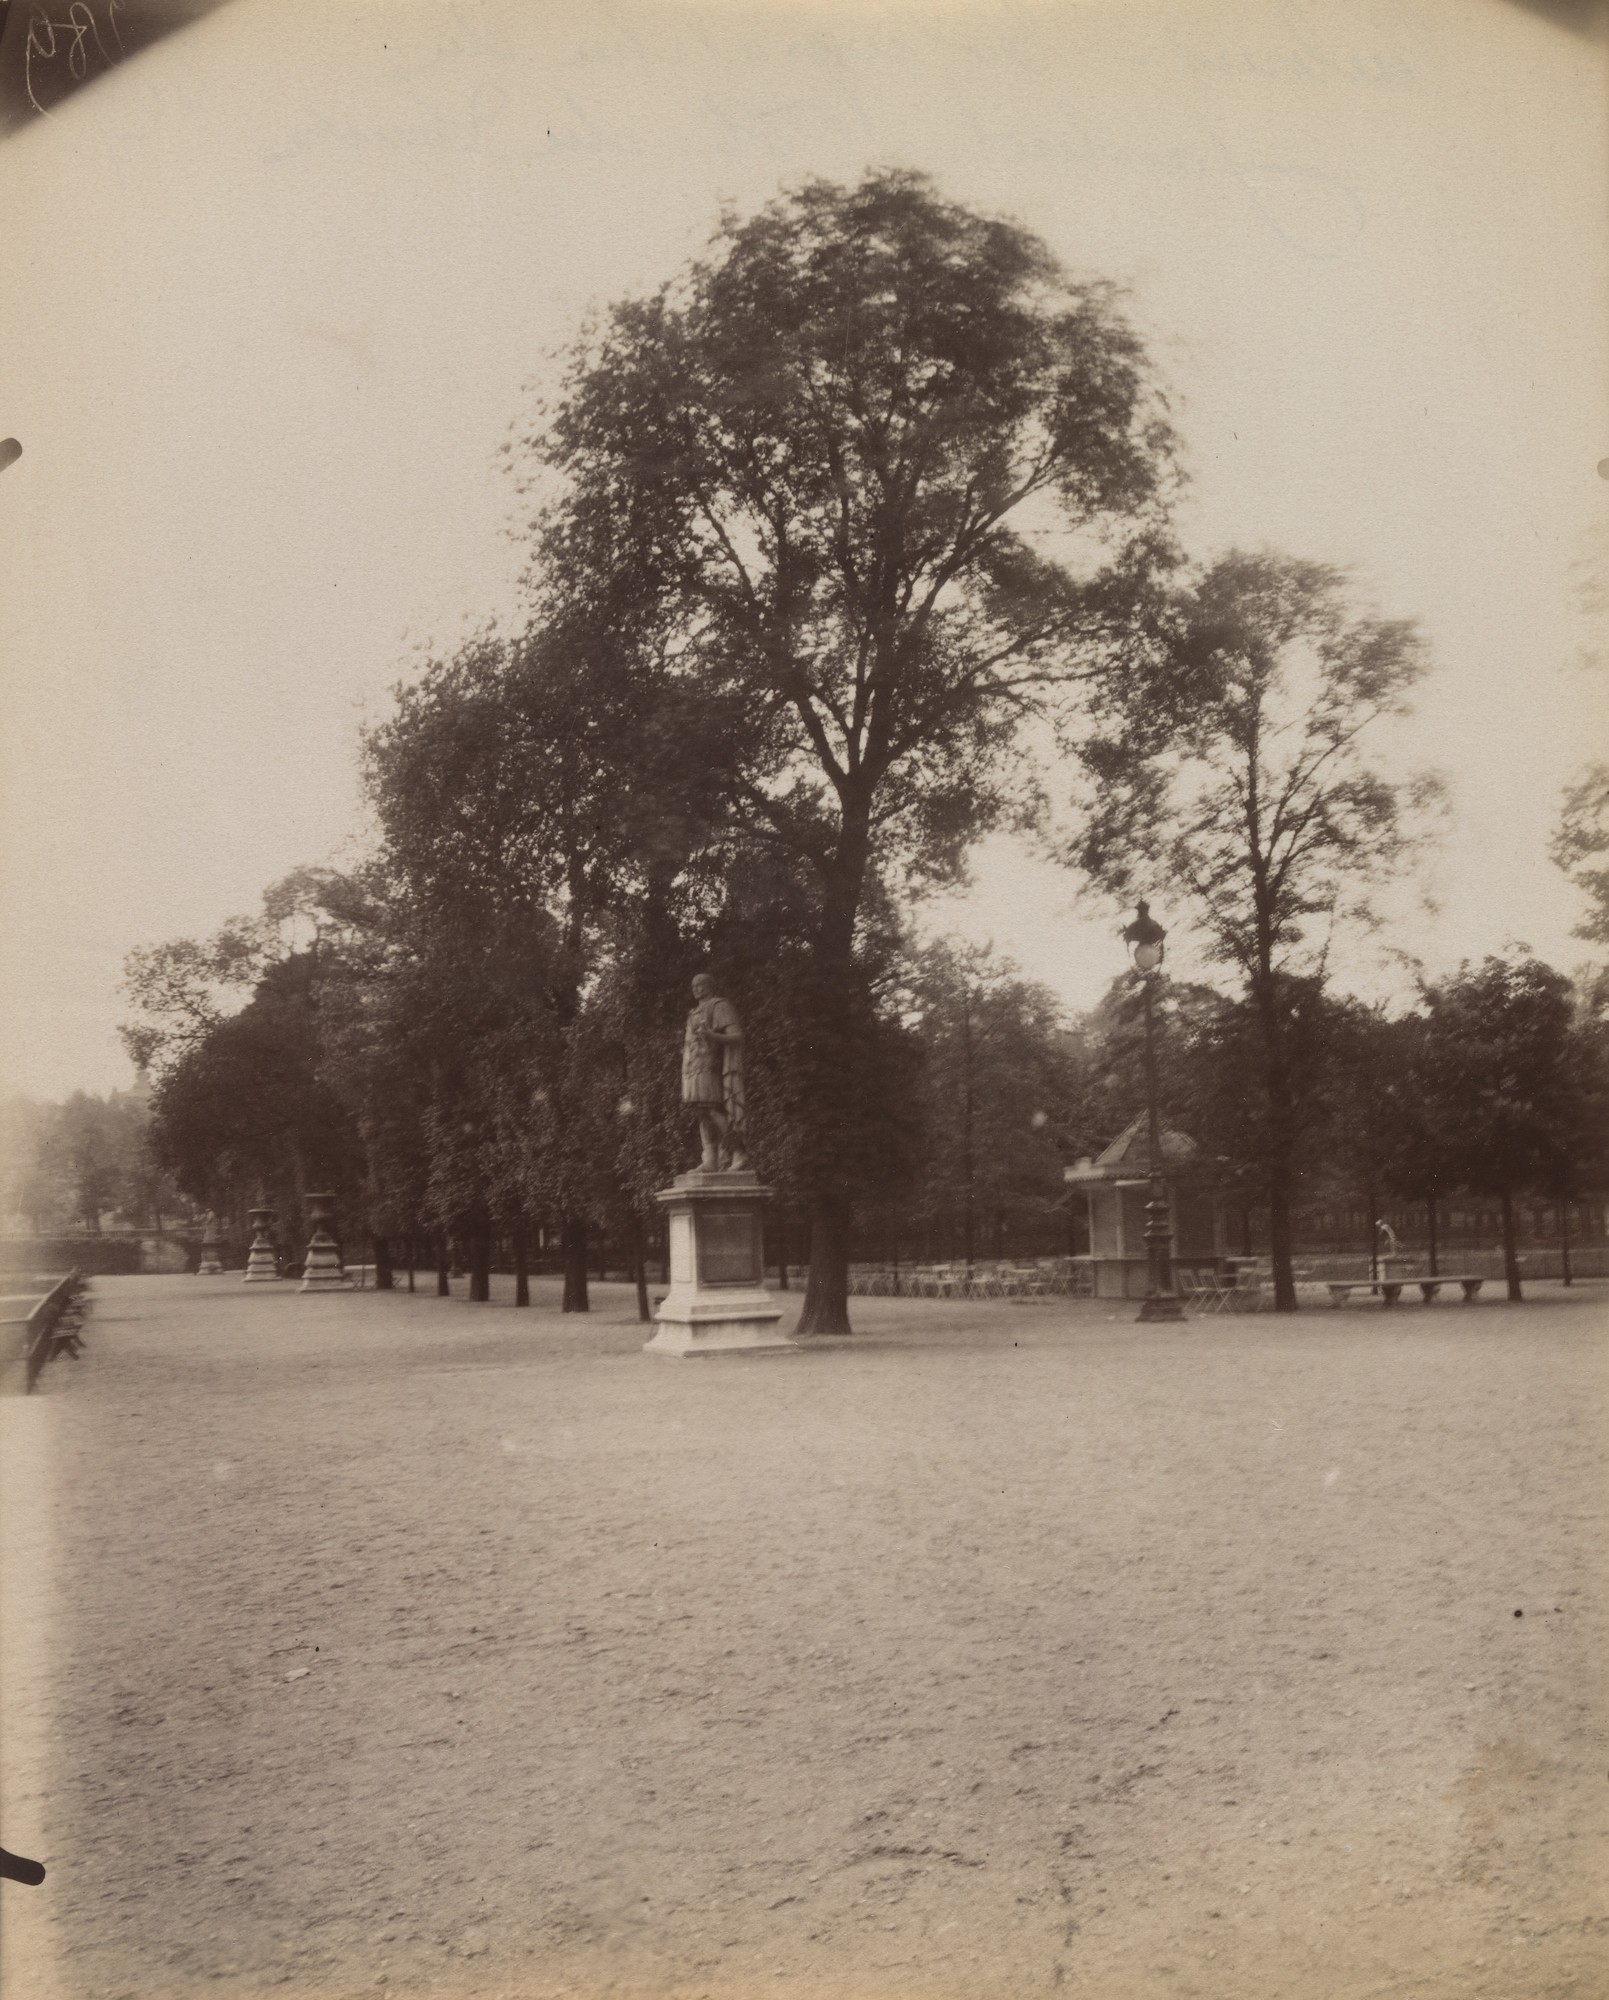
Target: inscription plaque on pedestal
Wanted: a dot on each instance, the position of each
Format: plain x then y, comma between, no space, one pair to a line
728,1246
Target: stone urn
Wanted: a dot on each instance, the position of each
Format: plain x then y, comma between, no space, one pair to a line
262,1266
211,1265
323,1271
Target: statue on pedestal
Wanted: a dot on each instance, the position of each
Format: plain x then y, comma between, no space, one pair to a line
717,1302
211,1264
712,1078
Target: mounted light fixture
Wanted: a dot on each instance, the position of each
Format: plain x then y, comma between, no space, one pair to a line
1144,938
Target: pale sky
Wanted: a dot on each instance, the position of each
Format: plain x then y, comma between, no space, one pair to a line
273,291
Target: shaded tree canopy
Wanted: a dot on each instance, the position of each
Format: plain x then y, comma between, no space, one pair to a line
805,473
183,989
244,1110
1501,1065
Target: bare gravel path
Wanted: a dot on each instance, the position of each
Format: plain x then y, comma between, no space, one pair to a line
363,1644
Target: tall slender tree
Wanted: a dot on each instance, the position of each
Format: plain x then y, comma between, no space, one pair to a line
1261,802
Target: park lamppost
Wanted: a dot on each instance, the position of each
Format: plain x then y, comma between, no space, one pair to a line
1144,938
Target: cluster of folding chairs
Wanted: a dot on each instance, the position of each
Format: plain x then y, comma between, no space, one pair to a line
1206,1289
1044,1277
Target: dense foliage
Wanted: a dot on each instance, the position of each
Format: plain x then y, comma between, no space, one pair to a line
837,536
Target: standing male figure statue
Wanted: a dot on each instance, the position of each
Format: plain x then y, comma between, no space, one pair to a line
712,1078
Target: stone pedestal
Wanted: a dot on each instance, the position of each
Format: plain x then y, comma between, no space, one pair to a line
211,1264
717,1302
322,1271
262,1266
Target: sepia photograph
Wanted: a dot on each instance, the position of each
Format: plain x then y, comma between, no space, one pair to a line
804,1012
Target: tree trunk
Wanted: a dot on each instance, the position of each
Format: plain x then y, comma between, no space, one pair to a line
831,1003
782,1246
1564,1240
1511,1257
1282,1124
385,1278
1280,1245
826,1299
639,1267
413,1255
573,1249
1430,1212
967,1223
522,1264
444,1288
480,1265
1374,1240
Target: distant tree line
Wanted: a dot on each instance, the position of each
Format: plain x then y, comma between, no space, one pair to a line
82,1165
847,546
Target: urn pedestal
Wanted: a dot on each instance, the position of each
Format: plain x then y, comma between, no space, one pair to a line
262,1266
717,1302
322,1271
211,1264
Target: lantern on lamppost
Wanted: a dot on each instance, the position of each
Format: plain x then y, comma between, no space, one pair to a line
1144,938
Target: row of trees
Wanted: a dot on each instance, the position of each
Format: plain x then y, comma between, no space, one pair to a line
1493,1084
848,545
72,1166
424,1090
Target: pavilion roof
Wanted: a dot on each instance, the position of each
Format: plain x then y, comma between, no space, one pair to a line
1128,1157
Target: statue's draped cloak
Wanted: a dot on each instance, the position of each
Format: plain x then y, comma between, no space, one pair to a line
712,1072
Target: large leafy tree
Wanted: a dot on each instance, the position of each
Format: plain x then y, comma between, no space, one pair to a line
1260,800
1503,1066
879,473
543,801
182,989
234,1027
243,1111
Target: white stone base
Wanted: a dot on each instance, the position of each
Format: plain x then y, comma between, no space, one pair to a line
746,1325
261,1269
209,1267
717,1302
322,1272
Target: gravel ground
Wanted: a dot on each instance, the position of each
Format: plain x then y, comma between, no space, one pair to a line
368,1643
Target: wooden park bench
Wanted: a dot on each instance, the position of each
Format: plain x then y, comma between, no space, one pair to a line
51,1327
1391,1289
